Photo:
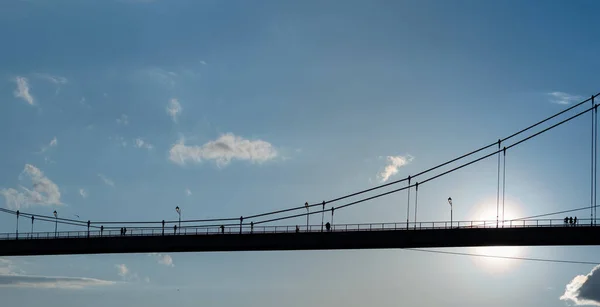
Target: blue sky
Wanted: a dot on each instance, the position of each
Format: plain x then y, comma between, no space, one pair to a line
124,109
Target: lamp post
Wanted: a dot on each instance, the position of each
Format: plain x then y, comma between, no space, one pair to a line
55,223
32,219
179,212
307,211
450,202
17,233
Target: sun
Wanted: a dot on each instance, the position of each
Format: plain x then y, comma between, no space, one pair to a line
487,212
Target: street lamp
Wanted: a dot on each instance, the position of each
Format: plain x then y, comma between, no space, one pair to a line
307,211
179,212
17,225
55,222
450,202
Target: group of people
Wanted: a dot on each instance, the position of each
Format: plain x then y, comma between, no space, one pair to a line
569,220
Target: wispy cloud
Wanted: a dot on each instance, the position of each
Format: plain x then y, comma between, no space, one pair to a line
83,193
584,289
22,90
224,149
166,260
43,191
394,163
60,282
203,62
188,192
161,76
163,259
123,120
125,273
139,143
174,108
106,180
53,143
119,139
12,276
564,98
58,80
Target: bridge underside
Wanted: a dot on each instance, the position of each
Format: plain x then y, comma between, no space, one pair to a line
390,239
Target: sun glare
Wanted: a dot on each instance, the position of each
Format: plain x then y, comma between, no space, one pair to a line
487,212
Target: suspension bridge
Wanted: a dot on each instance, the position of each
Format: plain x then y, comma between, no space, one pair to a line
265,231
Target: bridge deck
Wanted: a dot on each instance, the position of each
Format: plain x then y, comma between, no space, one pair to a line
335,240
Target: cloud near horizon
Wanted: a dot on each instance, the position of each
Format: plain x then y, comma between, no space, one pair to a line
60,282
394,163
584,289
12,276
22,90
43,192
222,150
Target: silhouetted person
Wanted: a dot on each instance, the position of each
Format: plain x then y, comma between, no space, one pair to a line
175,229
328,226
163,227
125,230
122,231
571,220
101,230
575,221
297,229
566,220
251,227
222,229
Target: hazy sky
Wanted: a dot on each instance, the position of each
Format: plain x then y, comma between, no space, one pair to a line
124,109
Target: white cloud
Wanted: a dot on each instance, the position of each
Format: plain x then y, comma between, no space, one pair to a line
22,90
139,143
53,143
106,180
584,289
166,260
126,274
174,108
12,276
188,192
123,120
54,79
60,282
564,98
226,148
43,192
83,193
163,259
122,269
394,163
203,62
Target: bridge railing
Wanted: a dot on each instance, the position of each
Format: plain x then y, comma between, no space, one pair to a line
247,229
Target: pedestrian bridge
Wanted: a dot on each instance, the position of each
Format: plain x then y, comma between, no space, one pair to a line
546,232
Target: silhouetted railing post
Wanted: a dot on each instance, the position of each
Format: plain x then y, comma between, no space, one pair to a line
163,227
241,220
